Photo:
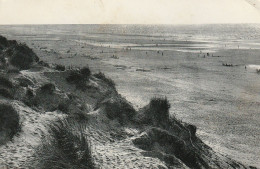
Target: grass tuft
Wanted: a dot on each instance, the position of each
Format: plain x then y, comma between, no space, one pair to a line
157,112
102,77
47,88
22,56
6,93
9,122
64,107
79,78
66,147
60,67
5,82
119,109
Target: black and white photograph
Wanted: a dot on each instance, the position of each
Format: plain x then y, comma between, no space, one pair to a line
129,84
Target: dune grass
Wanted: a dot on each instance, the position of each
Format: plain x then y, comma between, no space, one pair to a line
22,56
9,122
119,109
79,77
5,82
60,67
47,88
66,147
5,86
105,79
157,111
6,93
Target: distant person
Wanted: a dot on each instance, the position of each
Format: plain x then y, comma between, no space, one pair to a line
245,67
162,53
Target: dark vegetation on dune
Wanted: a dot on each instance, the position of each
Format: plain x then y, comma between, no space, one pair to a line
120,109
6,93
42,63
79,77
66,147
63,106
60,67
21,56
105,79
157,112
9,122
47,88
16,54
6,87
5,82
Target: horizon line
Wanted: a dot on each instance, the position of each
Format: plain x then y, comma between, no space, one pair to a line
24,24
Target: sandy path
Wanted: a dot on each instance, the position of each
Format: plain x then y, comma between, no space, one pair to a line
33,124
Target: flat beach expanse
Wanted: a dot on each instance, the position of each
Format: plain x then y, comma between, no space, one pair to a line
209,79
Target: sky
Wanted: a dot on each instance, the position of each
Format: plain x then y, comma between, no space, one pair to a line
129,11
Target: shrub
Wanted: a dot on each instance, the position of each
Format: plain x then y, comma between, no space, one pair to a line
47,88
5,93
3,42
60,67
74,77
192,129
102,77
9,122
79,77
43,63
64,107
5,82
29,93
22,56
157,112
2,60
119,109
67,147
85,72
